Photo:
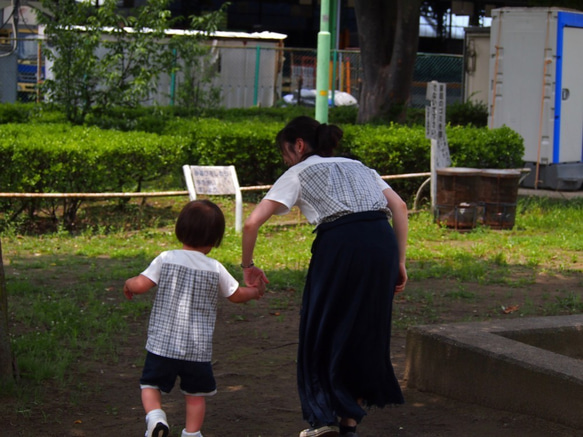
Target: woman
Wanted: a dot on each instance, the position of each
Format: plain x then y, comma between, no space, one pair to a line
358,263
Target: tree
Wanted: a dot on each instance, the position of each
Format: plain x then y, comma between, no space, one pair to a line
101,58
134,53
196,61
6,360
388,34
71,53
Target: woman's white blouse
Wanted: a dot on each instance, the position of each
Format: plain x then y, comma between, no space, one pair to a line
327,188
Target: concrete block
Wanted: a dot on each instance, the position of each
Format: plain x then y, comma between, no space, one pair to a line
529,365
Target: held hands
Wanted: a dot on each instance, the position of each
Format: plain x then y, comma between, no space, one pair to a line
260,285
255,277
251,275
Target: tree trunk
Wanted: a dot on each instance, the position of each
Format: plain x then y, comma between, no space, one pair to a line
388,34
6,367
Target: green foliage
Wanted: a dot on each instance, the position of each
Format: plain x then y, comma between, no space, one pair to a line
127,148
485,148
133,55
72,54
197,62
468,113
398,149
69,159
152,119
16,112
248,145
102,59
393,149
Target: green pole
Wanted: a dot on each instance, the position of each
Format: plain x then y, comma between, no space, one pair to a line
323,60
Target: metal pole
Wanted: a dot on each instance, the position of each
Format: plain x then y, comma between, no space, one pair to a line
323,67
257,69
173,78
335,23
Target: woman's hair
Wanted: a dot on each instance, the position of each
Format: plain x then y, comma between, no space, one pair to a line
322,138
201,223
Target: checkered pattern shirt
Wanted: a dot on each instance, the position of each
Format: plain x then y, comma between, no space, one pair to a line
183,316
327,188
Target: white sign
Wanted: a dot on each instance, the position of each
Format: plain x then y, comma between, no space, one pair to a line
435,130
435,112
213,180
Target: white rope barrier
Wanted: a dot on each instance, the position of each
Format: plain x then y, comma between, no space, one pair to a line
160,193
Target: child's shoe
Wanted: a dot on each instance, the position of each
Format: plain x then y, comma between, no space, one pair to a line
160,430
157,424
321,431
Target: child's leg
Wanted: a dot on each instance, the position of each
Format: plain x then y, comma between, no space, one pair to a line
195,411
156,421
151,399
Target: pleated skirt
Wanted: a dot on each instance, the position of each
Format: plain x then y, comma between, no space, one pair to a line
344,362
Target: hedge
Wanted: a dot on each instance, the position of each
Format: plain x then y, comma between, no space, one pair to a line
58,157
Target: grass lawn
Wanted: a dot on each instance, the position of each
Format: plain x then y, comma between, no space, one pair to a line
64,288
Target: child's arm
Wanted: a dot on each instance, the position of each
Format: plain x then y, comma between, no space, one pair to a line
244,294
137,285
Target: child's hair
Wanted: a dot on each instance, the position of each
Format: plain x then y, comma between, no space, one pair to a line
321,137
201,223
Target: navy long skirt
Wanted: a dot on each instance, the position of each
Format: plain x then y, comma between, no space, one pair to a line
345,326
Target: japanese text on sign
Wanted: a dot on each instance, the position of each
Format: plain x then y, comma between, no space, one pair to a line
213,180
435,112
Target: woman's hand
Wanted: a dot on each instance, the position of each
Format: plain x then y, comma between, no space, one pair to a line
253,276
400,287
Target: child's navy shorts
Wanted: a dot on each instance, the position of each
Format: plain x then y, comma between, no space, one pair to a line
196,378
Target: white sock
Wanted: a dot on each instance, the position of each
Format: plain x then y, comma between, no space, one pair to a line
191,434
154,417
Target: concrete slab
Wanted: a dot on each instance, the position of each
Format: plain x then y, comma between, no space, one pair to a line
528,365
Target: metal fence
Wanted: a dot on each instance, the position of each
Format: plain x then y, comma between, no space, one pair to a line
273,73
20,69
346,73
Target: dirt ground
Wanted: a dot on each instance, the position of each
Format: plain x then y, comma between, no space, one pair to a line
254,364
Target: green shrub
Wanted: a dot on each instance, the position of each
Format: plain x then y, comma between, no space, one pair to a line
467,113
248,145
15,112
47,156
485,148
60,158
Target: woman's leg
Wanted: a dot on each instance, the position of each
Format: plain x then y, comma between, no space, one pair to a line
348,426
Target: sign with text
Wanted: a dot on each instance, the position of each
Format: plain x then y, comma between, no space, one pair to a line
213,180
435,123
435,112
435,131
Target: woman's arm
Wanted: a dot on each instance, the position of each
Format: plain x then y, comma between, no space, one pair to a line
262,212
401,226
